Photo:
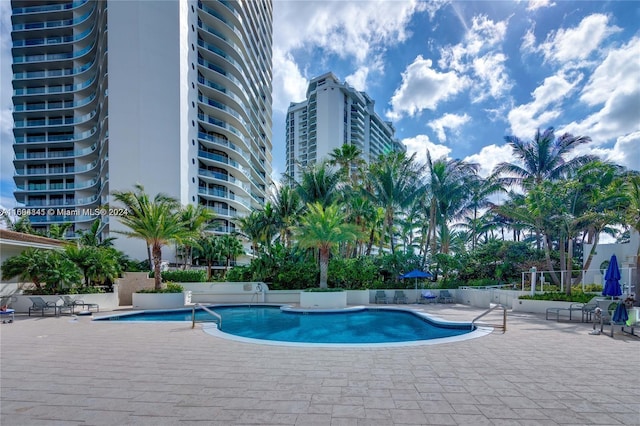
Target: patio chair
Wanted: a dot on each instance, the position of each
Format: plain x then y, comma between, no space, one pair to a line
587,308
445,297
72,303
399,297
381,297
427,296
39,304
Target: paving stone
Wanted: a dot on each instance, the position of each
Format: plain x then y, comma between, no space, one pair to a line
54,372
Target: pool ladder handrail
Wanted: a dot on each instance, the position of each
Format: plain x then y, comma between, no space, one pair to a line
491,309
215,314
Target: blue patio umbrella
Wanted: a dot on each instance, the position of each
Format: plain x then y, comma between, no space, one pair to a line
620,314
417,273
612,279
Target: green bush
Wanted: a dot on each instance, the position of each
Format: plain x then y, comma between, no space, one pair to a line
169,288
577,297
353,274
183,276
324,290
239,274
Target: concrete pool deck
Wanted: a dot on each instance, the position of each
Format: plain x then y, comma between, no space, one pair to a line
61,371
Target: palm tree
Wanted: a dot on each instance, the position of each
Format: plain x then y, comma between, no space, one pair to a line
318,183
542,158
324,228
448,184
92,237
197,219
210,250
287,206
57,232
30,265
395,182
156,221
251,227
230,247
348,157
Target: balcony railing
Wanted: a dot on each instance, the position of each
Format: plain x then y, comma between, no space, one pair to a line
226,195
48,8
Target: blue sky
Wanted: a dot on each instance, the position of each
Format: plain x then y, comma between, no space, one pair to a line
453,77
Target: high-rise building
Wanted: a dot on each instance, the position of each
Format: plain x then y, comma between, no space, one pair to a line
174,95
334,114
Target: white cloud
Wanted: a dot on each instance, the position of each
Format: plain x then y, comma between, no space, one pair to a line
420,144
525,119
490,156
358,80
289,85
483,35
490,68
615,84
626,151
575,44
480,55
529,41
448,121
423,88
620,71
538,4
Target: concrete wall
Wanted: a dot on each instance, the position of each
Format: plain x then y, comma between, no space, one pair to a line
132,282
106,301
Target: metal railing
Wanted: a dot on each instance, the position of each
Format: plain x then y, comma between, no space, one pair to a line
491,309
204,308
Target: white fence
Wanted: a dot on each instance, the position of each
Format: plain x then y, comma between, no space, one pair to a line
541,278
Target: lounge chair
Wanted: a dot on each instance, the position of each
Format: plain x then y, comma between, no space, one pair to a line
445,297
399,297
381,297
427,296
72,303
39,304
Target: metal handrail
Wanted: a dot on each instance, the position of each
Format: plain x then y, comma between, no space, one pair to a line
193,315
504,317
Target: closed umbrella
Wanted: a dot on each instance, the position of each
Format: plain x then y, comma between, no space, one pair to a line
612,279
620,314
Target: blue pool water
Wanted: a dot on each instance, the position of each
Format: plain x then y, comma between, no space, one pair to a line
272,323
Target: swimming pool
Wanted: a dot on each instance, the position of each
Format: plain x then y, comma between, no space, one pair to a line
282,324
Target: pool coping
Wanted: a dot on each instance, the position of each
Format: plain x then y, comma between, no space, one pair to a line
212,328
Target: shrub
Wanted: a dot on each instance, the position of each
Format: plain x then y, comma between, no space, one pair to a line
239,274
169,288
324,290
577,297
357,273
183,276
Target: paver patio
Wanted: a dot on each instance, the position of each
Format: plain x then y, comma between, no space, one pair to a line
60,371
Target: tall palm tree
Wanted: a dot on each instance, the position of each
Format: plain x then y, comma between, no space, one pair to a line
91,237
58,231
288,206
231,247
544,157
318,183
251,227
324,228
395,182
209,249
448,184
156,221
349,158
197,219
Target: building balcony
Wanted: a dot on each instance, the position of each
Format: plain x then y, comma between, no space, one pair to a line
220,194
48,8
